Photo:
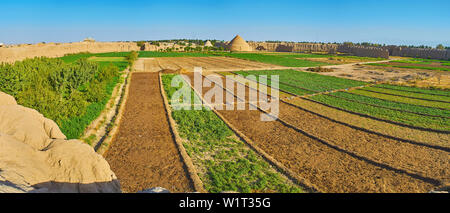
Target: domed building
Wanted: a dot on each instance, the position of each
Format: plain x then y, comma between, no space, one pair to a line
208,44
238,44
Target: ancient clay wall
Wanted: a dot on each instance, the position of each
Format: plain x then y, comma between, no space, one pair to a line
292,47
419,52
20,52
363,51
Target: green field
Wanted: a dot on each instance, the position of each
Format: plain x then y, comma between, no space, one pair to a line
407,118
416,89
401,99
393,105
291,80
226,163
409,94
281,60
411,67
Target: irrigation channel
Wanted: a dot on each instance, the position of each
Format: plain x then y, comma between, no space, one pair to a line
336,157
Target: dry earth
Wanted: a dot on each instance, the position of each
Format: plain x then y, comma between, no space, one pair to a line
207,63
143,152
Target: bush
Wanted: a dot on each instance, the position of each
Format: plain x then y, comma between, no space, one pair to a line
60,91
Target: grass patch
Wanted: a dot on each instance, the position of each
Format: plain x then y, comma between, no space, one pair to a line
224,163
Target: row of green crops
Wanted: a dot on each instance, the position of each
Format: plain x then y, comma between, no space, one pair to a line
402,99
409,94
416,89
393,105
70,90
291,80
407,118
411,67
281,60
224,162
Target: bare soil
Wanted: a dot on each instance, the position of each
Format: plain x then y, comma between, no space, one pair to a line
143,153
337,158
207,63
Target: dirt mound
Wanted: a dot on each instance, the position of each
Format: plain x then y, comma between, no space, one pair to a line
35,157
320,69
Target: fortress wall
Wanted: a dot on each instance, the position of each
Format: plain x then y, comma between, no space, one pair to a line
292,47
20,52
363,51
419,52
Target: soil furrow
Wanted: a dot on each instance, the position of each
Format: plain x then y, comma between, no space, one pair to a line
143,153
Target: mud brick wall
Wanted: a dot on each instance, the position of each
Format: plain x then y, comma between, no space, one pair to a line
20,52
292,47
364,51
419,52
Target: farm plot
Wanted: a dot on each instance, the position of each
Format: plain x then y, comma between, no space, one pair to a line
206,63
338,161
368,124
223,161
357,104
415,63
280,60
143,153
301,83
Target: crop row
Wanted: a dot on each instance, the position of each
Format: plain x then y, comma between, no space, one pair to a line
408,94
281,60
407,118
402,99
416,89
223,162
290,80
393,105
411,67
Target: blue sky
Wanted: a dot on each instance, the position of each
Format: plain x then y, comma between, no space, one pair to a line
390,22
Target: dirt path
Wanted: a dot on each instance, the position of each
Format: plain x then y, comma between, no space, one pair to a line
143,153
337,161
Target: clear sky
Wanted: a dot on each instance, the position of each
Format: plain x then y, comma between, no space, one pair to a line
390,22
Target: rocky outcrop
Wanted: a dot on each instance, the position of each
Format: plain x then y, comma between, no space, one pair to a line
36,157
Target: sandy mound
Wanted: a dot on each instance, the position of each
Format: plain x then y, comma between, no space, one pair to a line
35,157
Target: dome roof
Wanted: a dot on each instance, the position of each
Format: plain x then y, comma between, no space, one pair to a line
208,44
239,44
